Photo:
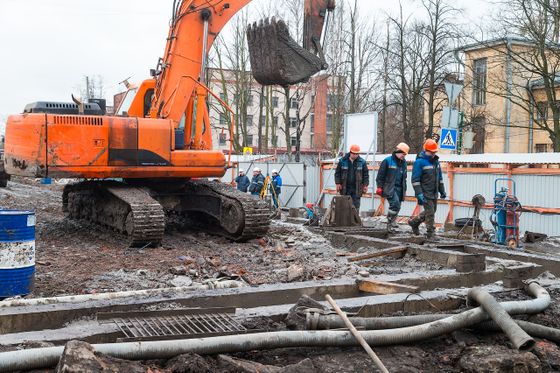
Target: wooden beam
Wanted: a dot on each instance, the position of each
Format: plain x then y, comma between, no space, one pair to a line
382,287
401,250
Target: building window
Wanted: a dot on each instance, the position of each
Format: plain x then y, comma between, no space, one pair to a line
249,100
294,103
262,122
274,140
311,141
274,121
293,122
478,127
222,138
249,120
293,141
541,148
329,123
312,123
274,101
222,96
223,119
333,102
248,140
541,111
479,81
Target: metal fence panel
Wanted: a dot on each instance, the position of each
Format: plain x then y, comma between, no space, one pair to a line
293,187
538,190
465,186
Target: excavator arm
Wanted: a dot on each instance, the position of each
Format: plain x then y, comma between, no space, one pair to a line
275,57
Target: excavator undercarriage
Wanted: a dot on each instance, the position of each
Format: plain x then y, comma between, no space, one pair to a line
139,208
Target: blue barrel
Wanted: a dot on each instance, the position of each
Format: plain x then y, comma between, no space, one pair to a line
17,252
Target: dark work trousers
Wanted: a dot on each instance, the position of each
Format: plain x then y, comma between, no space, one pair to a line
395,201
355,197
427,215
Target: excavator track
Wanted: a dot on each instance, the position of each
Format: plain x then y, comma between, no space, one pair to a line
138,209
218,208
128,210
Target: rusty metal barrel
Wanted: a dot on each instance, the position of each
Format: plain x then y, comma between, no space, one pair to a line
17,252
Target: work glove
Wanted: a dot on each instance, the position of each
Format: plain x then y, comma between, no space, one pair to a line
421,199
364,189
442,195
339,188
379,191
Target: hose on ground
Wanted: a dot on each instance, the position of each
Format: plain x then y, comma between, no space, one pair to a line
520,339
49,356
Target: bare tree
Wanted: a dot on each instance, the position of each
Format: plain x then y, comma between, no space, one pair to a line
440,32
406,50
532,65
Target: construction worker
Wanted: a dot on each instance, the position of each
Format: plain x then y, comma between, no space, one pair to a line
427,181
276,186
391,182
242,181
352,175
257,182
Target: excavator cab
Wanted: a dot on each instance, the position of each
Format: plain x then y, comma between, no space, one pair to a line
277,59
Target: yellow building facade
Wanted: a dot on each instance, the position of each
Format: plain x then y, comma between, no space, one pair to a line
498,98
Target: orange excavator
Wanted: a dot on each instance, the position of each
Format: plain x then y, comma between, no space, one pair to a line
149,160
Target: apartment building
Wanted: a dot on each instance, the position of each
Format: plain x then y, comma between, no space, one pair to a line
502,98
309,107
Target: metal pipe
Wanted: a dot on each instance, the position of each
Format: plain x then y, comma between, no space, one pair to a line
357,335
520,339
205,15
49,356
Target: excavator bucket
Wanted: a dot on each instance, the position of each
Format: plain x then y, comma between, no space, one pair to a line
276,58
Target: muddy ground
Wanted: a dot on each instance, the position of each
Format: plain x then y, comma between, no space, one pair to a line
74,257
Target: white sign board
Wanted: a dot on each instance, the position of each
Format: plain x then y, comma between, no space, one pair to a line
361,129
450,117
452,91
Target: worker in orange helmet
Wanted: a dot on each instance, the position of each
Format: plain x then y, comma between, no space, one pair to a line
427,181
391,182
352,175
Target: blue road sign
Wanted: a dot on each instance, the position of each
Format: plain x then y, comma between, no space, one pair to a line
448,139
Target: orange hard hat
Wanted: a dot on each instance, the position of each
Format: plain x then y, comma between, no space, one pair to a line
355,149
430,145
403,147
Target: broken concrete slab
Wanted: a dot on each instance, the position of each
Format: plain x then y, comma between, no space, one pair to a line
79,357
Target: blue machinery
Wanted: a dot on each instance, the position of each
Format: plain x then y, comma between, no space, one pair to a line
505,215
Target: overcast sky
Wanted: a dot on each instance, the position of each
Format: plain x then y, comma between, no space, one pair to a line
48,46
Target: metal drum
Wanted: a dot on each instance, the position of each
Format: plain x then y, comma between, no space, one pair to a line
17,252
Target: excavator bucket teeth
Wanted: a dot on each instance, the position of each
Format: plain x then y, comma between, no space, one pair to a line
276,58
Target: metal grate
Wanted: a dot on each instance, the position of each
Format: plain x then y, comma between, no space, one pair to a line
174,325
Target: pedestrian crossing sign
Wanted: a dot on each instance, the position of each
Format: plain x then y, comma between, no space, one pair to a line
448,139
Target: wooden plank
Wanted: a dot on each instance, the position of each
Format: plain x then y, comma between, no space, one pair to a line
392,250
382,287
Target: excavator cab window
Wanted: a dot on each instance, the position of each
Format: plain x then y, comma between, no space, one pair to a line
127,101
148,96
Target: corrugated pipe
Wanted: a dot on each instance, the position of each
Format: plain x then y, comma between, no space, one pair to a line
520,339
49,356
374,323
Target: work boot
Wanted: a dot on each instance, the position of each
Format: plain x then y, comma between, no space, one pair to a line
414,224
391,223
430,234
